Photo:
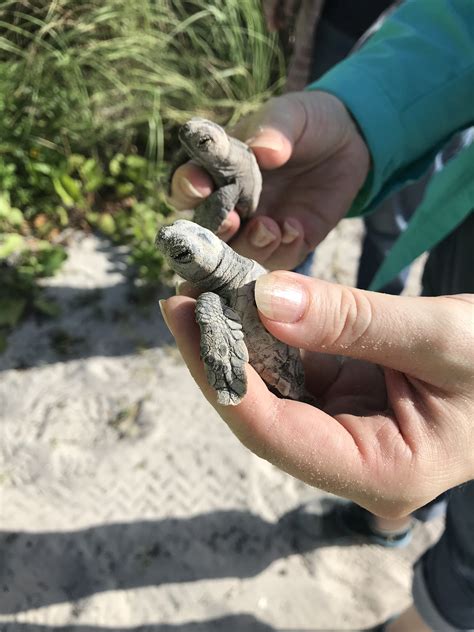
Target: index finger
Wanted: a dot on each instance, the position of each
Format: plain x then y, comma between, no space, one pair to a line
190,185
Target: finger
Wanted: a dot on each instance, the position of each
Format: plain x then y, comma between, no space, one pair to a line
292,435
273,131
178,313
359,389
185,288
229,227
190,185
293,248
320,371
417,336
287,258
258,239
273,245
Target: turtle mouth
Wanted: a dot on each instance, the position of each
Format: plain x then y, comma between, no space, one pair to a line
204,142
178,252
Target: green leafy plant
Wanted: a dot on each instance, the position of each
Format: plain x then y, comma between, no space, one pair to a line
22,262
90,96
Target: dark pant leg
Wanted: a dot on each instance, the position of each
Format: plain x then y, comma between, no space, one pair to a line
443,583
382,229
450,266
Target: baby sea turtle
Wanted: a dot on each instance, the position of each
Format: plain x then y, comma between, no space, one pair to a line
231,331
232,166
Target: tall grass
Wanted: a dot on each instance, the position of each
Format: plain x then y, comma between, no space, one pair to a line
102,75
85,85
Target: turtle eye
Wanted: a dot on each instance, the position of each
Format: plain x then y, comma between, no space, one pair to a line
183,256
204,141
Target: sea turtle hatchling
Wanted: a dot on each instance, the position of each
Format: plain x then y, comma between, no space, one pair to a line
231,331
232,166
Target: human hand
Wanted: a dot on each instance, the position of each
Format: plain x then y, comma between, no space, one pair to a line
314,162
395,425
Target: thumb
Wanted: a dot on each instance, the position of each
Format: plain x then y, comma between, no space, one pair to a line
273,131
418,336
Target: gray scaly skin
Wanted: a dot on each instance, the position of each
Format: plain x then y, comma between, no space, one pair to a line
231,331
232,166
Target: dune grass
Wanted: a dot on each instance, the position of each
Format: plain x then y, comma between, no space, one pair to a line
91,93
106,74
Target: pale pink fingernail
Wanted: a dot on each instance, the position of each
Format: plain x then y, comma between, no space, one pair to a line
280,297
289,233
267,139
188,189
261,236
161,304
224,227
178,289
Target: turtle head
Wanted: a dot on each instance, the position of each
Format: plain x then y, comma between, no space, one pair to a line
192,251
204,139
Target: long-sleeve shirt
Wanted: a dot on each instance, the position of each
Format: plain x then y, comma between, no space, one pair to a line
410,88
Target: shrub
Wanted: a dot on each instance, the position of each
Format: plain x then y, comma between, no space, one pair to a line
90,96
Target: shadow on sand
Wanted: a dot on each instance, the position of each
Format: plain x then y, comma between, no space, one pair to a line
233,623
39,569
115,320
98,310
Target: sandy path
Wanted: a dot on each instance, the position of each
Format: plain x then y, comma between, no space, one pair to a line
126,504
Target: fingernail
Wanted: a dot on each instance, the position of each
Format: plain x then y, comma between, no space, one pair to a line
280,298
267,139
261,236
178,286
289,233
188,189
224,227
161,303
185,288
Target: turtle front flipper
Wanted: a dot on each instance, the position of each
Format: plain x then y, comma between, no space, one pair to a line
214,209
223,349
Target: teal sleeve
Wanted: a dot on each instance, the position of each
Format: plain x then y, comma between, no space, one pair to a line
409,88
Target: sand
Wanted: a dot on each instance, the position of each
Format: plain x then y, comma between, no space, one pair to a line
127,504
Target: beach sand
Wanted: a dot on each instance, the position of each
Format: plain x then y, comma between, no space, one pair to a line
127,504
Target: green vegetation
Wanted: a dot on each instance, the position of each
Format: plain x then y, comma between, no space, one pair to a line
90,96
